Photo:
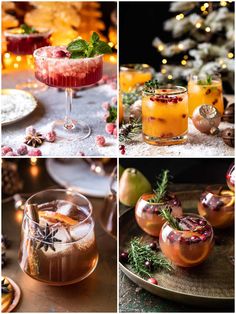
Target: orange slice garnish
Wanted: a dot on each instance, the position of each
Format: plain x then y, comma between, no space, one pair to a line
228,197
227,193
57,216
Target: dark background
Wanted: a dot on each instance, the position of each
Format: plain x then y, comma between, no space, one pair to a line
184,170
140,23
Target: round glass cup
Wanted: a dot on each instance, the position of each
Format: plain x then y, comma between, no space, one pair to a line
63,72
217,206
147,213
203,89
23,44
230,177
187,248
165,115
58,245
133,75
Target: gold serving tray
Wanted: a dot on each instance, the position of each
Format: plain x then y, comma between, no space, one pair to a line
209,284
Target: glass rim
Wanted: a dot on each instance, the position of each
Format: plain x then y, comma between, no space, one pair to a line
195,77
210,189
62,59
44,32
175,88
185,215
131,67
64,191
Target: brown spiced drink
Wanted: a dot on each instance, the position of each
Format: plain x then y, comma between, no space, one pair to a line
58,244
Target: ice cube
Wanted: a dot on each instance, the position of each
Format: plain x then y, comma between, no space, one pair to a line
67,208
79,231
62,234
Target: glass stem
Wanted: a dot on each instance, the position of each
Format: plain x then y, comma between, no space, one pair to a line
68,123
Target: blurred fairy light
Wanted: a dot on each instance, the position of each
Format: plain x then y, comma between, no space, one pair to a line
164,61
206,5
223,3
183,62
198,25
230,55
163,71
208,29
160,47
179,16
170,77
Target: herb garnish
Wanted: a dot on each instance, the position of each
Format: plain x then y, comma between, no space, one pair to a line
151,86
166,214
130,130
140,253
207,81
112,115
81,48
129,98
162,187
28,29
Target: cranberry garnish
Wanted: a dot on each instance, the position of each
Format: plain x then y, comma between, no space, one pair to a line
153,246
195,239
149,265
60,54
153,281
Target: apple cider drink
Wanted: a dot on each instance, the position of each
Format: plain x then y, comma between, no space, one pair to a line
58,244
165,115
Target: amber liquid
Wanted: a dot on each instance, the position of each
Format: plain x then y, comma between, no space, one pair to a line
131,79
70,262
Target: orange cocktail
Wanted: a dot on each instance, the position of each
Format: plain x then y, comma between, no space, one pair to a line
205,90
165,115
134,75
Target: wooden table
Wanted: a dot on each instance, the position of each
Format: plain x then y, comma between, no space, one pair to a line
97,293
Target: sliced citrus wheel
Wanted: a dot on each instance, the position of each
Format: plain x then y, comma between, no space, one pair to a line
193,257
59,217
7,294
227,192
228,197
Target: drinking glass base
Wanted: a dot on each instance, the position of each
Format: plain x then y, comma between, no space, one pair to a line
161,141
80,131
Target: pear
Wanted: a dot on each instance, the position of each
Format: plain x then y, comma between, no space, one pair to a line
121,170
132,185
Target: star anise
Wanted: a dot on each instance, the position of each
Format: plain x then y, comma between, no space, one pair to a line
46,237
5,285
36,139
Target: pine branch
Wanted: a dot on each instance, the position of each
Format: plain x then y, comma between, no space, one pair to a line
162,187
166,214
129,98
140,253
130,130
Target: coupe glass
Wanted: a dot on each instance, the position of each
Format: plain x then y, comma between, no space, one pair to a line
165,115
58,244
54,68
20,44
205,90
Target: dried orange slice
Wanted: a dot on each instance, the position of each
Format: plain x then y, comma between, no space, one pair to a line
7,296
227,193
59,217
194,257
228,197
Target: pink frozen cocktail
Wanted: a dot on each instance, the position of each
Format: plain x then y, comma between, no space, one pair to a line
54,67
77,65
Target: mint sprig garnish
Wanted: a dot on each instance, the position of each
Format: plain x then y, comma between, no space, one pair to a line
151,86
81,48
28,29
162,187
207,81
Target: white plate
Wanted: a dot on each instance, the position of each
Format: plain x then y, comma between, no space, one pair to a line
74,173
21,109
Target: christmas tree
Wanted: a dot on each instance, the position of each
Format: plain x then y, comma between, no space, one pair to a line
204,41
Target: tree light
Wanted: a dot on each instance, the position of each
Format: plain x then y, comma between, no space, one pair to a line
224,66
185,57
183,62
163,71
181,46
206,5
169,77
179,16
230,55
160,47
208,29
223,3
198,25
164,61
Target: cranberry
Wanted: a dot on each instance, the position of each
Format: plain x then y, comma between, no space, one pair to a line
115,133
195,239
6,149
106,105
51,136
149,265
202,222
60,54
35,152
110,128
153,246
22,150
100,141
30,130
153,281
124,257
122,149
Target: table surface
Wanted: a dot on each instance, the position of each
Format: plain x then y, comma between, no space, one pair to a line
134,299
198,144
87,106
97,293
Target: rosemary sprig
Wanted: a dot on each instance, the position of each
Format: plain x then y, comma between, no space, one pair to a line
140,253
162,187
28,29
207,81
166,214
130,130
151,86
